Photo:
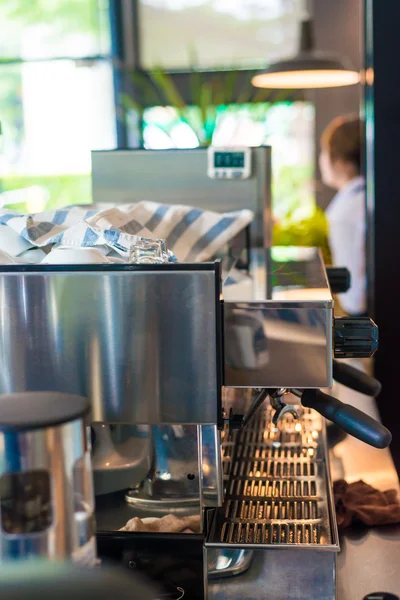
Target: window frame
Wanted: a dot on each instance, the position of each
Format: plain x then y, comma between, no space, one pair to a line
124,58
125,36
116,40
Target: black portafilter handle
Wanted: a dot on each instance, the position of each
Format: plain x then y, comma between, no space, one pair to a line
348,418
356,379
339,279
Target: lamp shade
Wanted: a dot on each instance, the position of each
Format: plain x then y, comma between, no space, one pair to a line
309,69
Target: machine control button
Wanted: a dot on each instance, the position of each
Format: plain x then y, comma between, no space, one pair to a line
355,337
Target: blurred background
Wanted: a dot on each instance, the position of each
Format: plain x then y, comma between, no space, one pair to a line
100,74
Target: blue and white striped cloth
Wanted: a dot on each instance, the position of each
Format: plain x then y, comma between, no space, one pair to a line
192,234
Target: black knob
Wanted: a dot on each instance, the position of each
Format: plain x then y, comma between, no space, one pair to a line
355,337
339,279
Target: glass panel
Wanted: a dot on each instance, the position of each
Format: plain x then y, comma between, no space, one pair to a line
33,29
53,114
287,127
180,34
25,502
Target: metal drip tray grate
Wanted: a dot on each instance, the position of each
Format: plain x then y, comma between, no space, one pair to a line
264,451
272,533
271,488
271,509
276,486
228,449
274,468
281,437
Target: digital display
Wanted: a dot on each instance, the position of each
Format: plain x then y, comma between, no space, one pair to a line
229,160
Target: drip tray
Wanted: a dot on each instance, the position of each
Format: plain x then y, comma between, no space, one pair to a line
277,490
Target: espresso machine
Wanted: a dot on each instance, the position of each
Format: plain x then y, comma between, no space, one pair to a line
257,470
207,376
205,382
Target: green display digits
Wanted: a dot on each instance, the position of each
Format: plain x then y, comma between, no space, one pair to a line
229,160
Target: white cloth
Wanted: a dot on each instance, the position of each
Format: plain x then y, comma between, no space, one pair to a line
346,216
192,234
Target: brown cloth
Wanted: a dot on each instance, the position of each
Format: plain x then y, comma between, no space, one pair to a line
358,502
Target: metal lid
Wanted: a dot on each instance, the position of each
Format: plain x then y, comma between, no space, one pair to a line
24,411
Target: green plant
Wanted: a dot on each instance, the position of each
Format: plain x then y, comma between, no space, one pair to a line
311,231
210,94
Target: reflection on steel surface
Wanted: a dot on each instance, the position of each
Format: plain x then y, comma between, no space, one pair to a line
54,523
211,466
227,562
140,343
278,323
173,478
185,469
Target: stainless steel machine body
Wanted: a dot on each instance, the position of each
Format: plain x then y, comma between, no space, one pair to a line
145,343
46,491
90,326
140,342
278,321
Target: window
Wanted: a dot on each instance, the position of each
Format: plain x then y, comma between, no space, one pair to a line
208,40
45,29
179,34
56,99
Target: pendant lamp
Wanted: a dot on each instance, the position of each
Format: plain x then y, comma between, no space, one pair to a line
308,69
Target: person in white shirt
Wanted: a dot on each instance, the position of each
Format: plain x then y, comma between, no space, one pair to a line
340,165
